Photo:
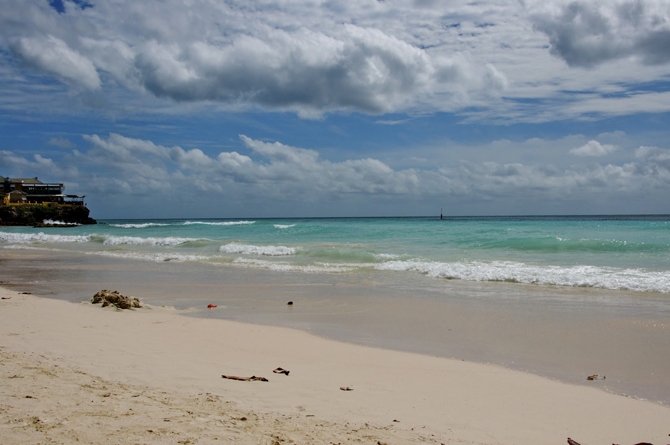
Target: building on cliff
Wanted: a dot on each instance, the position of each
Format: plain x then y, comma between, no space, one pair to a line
34,191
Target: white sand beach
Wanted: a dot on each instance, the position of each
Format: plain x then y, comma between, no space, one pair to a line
79,373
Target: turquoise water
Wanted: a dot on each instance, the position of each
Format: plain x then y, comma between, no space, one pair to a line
610,252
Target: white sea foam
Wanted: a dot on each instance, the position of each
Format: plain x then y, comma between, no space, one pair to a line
288,267
27,238
284,226
137,241
576,276
25,247
138,226
386,256
223,223
58,223
157,257
247,249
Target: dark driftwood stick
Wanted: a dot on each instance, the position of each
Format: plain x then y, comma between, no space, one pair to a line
253,378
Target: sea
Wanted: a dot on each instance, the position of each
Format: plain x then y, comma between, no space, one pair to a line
608,252
560,296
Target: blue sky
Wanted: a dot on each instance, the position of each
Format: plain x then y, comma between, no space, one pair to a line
221,109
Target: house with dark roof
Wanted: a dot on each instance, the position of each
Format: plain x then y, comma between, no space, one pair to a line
34,191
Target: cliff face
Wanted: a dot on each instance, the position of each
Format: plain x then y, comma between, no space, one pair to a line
35,214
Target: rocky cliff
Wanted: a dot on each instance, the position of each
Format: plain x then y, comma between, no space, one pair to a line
36,214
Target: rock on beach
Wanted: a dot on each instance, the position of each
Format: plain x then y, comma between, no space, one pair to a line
114,298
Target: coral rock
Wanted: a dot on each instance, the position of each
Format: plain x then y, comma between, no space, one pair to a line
114,298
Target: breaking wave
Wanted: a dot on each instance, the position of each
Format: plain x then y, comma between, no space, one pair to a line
386,256
156,257
288,267
284,226
137,241
138,226
41,237
59,223
247,249
506,271
223,223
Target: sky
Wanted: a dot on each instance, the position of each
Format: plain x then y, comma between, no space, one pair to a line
323,108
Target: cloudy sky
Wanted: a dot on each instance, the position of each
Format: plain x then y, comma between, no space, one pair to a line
238,108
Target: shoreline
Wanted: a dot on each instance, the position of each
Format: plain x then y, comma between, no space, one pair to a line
562,334
158,349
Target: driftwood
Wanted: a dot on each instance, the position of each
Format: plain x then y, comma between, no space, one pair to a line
349,388
572,442
281,371
253,378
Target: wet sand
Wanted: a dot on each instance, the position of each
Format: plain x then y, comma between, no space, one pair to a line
561,333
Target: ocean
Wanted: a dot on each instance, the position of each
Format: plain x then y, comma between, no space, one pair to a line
607,252
559,296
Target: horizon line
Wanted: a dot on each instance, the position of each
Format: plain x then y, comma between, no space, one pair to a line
612,215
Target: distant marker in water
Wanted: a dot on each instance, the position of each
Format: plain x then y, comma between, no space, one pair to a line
440,213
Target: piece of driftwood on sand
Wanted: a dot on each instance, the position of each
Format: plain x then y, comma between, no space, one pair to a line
253,378
572,442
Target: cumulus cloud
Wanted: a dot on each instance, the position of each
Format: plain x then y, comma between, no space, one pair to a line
593,149
484,59
281,171
358,69
262,172
240,56
492,180
588,33
54,56
307,57
36,165
657,157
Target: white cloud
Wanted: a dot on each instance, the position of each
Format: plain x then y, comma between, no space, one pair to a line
352,68
40,166
593,149
286,172
587,33
488,59
53,55
271,172
236,55
657,157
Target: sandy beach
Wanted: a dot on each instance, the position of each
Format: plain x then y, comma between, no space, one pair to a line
76,372
366,223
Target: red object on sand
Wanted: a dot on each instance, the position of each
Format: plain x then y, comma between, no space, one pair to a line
211,306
